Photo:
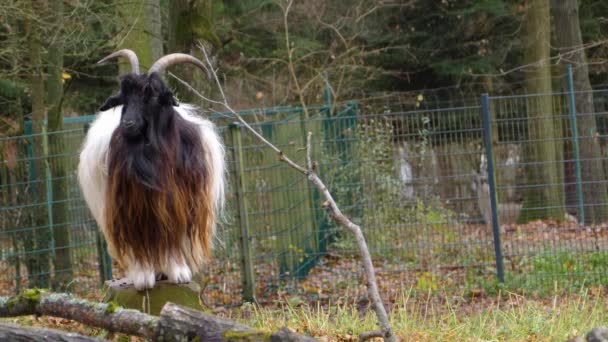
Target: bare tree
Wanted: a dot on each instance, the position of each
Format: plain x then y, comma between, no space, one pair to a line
309,171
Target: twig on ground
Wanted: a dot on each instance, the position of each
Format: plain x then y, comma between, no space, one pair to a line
370,334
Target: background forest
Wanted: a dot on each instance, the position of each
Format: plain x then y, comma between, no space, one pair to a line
270,56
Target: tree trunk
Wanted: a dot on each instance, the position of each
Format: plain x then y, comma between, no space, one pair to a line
543,153
569,42
191,23
17,220
57,151
143,26
37,241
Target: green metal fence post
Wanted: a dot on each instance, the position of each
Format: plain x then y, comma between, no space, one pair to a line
247,275
322,222
487,130
577,160
103,258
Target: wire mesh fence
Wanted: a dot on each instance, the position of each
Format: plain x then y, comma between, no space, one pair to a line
553,184
47,236
510,186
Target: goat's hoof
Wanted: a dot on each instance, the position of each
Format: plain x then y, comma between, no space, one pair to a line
143,280
179,274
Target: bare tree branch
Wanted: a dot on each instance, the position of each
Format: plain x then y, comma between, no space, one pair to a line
555,59
329,204
309,151
370,334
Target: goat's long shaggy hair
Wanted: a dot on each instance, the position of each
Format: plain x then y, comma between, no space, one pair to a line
158,193
154,185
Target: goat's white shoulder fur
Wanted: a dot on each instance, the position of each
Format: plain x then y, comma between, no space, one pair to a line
93,166
214,150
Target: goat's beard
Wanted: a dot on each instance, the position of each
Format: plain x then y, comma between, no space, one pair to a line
158,199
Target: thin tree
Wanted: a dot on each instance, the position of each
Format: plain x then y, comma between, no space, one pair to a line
543,198
57,150
37,241
569,43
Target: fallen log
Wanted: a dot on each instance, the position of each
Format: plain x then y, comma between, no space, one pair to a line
17,333
183,324
175,323
102,315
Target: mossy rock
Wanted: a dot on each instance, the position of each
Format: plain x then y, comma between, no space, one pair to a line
122,293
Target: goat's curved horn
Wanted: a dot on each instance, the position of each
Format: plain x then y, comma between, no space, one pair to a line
175,58
126,53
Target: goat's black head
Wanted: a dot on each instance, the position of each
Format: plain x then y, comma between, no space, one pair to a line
147,102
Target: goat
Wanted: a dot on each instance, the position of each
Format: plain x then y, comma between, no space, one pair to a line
152,174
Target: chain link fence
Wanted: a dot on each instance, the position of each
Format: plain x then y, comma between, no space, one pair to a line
509,187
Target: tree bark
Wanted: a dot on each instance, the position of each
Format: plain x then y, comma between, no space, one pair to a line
191,23
16,333
179,324
107,316
569,43
543,153
57,152
143,26
17,219
37,241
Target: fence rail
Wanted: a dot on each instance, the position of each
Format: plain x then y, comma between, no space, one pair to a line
513,188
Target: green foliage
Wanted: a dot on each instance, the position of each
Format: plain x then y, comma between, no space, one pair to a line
447,41
241,28
589,12
389,220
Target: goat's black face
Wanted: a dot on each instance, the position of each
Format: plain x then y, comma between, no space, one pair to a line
147,107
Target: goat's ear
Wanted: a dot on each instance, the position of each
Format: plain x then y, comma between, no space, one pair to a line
111,102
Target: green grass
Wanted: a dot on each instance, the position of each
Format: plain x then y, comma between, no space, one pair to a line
505,317
565,270
444,316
